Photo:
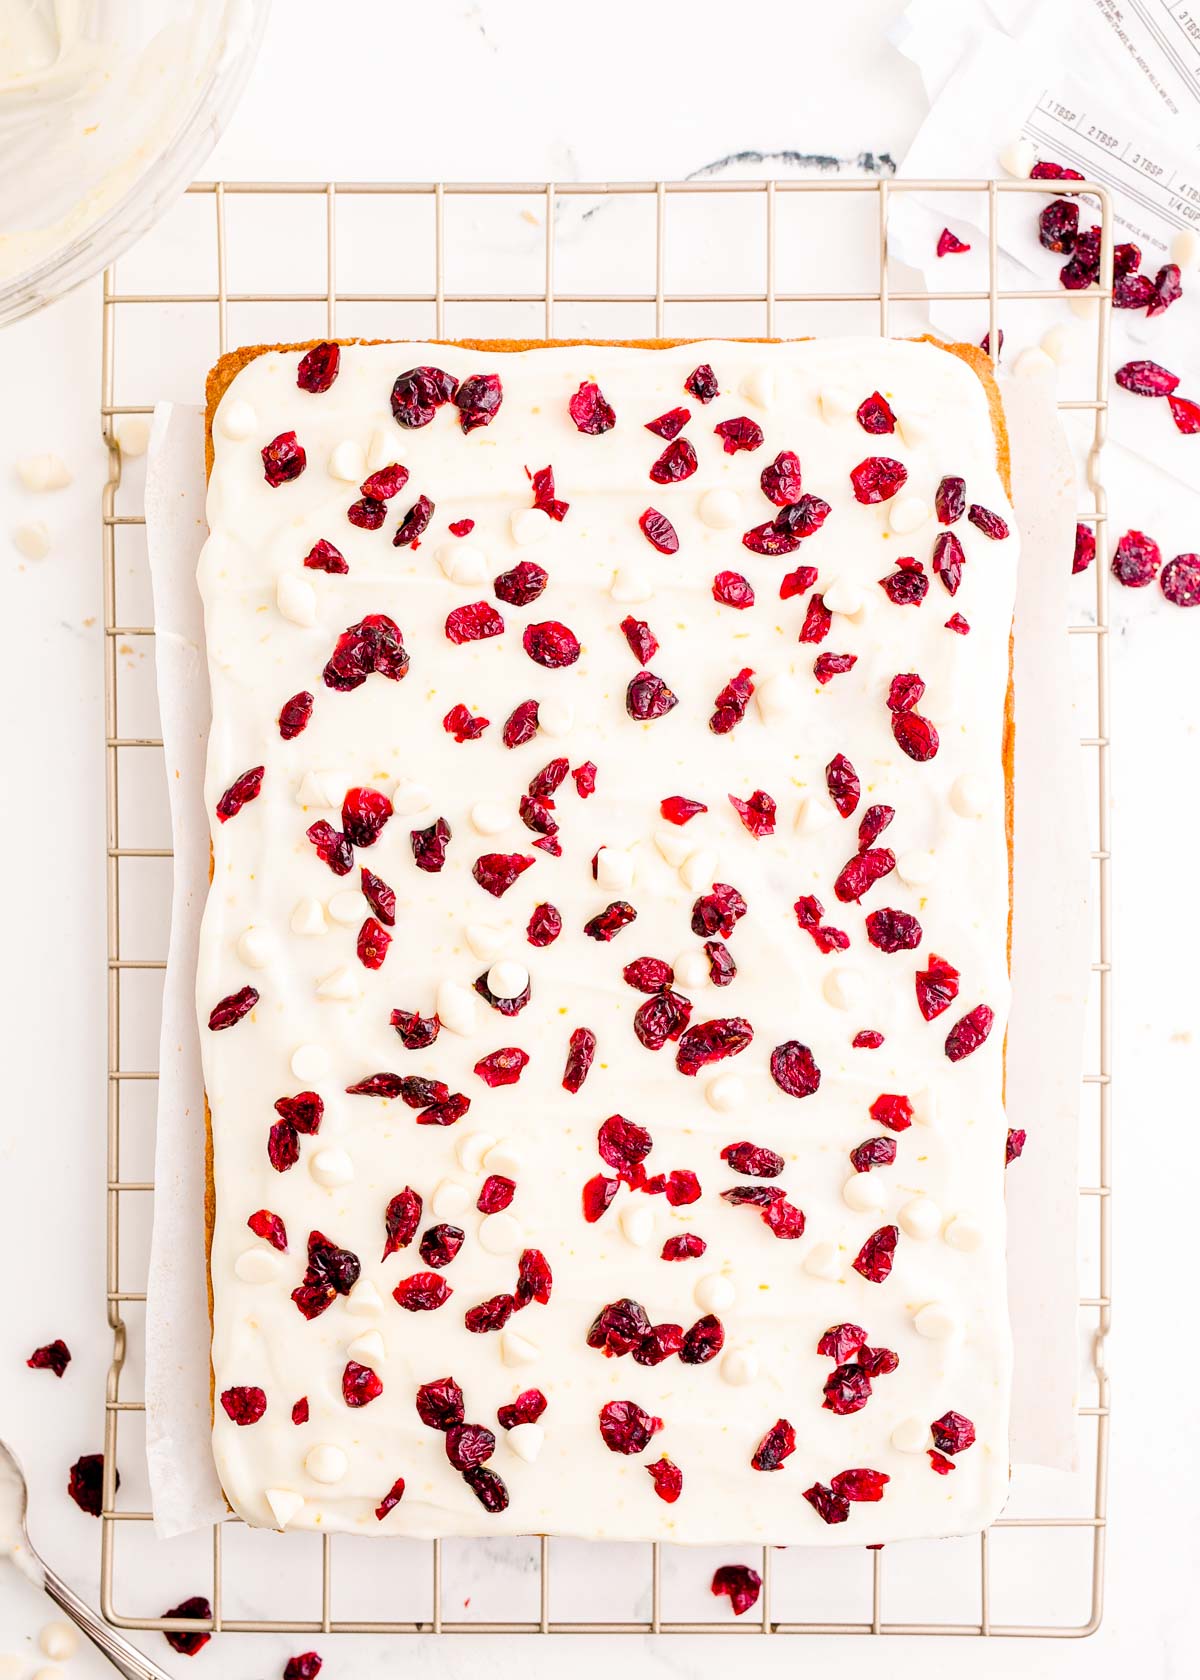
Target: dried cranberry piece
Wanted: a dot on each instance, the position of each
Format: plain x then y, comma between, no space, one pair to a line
418,394
423,1292
722,970
781,480
1085,549
771,539
1058,225
841,778
475,622
1014,1145
908,586
478,400
526,1408
893,930
379,896
489,1315
670,424
1132,291
232,1009
373,645
687,1246
949,244
618,1328
626,1428
877,479
1167,288
828,665
739,434
417,1031
388,1503
739,1583
488,1488
958,624
841,1342
861,873
867,1040
522,584
294,715
545,925
372,944
591,411
950,500
893,1111
496,872
968,1034
846,1390
874,821
324,557
609,922
809,911
795,583
283,1146
332,846
240,792
753,1195
429,845
1047,170
754,1160
803,518
953,1433
1185,414
701,383
860,1486
679,810
550,644
303,1111
948,560
682,1187
875,415
502,1067
878,1362
622,1143
330,1271
469,1444
794,1070
440,1404
283,459
915,735
445,1113
659,531
544,497
1180,580
942,1465
300,1411
988,522
56,1356
817,620
85,1483
364,812
660,1018
731,589
400,1221
318,368
731,702
244,1405
874,1259
598,1192
718,911
712,1041
677,462
439,1244
647,697
937,987
508,1006
459,722
360,1385
777,1444
875,1152
537,814
757,813
496,1193
1137,560
368,514
703,1341
661,1342
308,1665
1146,379
668,1479
647,974
187,1644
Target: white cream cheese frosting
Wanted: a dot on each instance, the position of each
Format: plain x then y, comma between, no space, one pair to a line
275,921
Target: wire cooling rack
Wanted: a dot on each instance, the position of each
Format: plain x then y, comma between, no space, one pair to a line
429,234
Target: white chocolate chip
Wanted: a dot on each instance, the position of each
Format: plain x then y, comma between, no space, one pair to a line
133,435
1033,363
963,1233
507,979
637,1222
739,1367
1017,158
321,788
517,1349
450,1199
837,403
1062,342
969,795
309,1061
935,1321
364,1300
504,1158
456,1008
631,584
865,1192
812,815
58,1641
843,596
910,1435
920,1218
489,816
367,1349
409,797
556,718
1185,248
720,510
615,868
925,1107
500,1233
843,988
43,472
236,419
526,1440
384,449
461,562
326,1463
673,845
257,1265
914,426
776,697
691,970
758,386
699,869
345,907
905,514
254,947
348,462
714,1293
915,869
725,1093
284,1505
529,525
331,1168
486,942
341,986
471,1148
1083,306
32,539
822,1261
296,600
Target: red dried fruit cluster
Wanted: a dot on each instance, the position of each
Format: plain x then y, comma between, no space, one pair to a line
331,1271
496,872
782,1218
550,645
528,1407
757,813
459,722
809,916
543,495
417,1032
832,1503
1137,560
244,1406
418,394
892,1110
372,646
667,1479
848,1387
298,1115
731,702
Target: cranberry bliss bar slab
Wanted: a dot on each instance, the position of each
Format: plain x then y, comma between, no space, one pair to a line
604,976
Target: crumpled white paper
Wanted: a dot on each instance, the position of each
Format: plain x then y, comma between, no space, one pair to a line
1050,970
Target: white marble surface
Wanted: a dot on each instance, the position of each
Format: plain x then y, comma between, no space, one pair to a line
531,92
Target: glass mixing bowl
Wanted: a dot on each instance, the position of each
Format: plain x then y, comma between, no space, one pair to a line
107,109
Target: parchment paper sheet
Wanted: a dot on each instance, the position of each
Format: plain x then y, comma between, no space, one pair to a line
1049,960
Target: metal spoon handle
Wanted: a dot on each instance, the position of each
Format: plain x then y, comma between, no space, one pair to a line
124,1657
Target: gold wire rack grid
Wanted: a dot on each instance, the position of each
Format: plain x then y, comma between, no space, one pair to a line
765,306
